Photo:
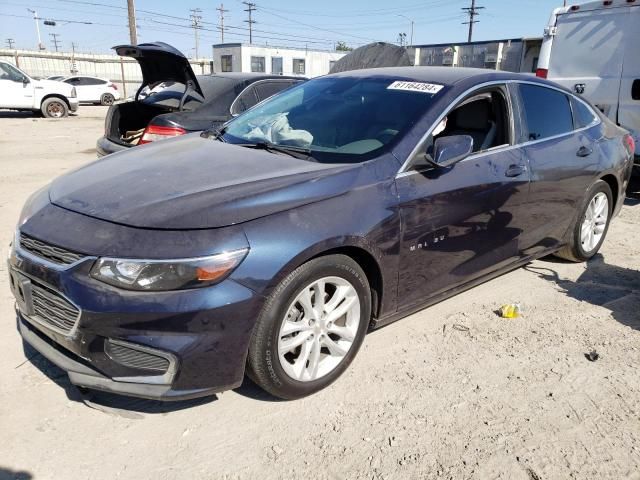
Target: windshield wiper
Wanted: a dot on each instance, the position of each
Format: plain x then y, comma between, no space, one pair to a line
291,150
215,133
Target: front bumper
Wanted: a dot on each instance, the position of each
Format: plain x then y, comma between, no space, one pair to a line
201,335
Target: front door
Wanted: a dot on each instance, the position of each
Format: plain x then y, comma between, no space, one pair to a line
16,90
465,221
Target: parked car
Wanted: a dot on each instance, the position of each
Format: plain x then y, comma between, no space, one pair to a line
94,90
19,91
273,244
592,49
173,100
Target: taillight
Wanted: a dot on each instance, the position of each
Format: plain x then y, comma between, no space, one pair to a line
542,72
114,86
153,133
630,144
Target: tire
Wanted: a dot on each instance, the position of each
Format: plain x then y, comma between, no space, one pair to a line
107,99
54,107
578,249
276,372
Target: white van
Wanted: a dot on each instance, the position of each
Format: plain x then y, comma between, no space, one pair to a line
594,49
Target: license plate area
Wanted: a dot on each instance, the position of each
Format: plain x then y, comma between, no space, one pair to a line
21,289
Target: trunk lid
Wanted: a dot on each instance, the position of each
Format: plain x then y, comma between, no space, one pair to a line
160,62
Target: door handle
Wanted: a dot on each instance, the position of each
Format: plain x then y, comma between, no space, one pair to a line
515,170
584,151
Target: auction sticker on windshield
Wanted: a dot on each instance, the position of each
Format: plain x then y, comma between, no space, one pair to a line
431,88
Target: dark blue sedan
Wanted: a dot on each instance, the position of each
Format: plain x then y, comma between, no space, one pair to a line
272,245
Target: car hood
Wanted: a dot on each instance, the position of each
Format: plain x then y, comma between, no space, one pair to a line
54,86
160,62
192,182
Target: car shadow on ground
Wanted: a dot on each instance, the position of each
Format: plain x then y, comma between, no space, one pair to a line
9,474
633,191
112,404
610,286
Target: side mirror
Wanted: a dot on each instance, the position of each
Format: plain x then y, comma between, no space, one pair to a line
25,81
450,150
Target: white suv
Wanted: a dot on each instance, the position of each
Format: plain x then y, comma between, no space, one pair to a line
94,90
18,91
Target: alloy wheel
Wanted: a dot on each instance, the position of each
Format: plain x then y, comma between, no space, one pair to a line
319,329
594,223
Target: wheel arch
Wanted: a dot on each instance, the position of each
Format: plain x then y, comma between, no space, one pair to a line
55,95
612,181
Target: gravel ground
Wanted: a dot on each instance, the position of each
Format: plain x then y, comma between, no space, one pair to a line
452,392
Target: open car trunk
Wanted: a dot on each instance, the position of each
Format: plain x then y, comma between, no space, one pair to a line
126,122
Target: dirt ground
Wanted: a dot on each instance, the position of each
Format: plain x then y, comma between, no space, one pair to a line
452,392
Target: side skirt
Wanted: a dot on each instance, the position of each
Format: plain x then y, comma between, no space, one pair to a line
384,321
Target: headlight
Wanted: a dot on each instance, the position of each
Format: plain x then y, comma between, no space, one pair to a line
155,275
73,92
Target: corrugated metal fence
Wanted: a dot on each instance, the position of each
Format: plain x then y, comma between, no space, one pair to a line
123,71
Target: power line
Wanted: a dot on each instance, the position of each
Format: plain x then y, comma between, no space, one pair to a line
251,7
55,41
133,31
472,11
196,20
222,12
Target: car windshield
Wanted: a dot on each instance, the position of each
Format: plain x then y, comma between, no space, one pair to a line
337,119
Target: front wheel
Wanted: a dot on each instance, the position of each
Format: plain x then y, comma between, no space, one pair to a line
310,328
54,107
591,226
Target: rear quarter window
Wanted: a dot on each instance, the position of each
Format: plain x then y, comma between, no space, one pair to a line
583,116
546,113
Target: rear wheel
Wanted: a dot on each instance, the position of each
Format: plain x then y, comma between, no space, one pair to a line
107,99
592,225
310,328
54,107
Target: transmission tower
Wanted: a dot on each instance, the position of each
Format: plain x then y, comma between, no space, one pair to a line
55,41
196,23
221,26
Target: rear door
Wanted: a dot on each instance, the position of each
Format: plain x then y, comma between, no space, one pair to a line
562,154
588,53
629,104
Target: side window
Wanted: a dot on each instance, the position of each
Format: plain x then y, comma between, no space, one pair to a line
226,63
482,116
245,101
257,64
547,112
93,81
8,72
267,89
73,81
583,116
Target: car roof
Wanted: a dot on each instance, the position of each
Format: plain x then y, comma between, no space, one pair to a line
441,75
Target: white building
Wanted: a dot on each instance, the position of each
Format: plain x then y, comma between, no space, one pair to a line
240,57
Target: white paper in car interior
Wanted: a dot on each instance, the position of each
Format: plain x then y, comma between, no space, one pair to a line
431,88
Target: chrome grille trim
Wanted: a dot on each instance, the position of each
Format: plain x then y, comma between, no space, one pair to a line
51,253
53,310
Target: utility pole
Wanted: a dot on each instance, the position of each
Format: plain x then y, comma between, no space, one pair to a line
195,23
133,31
472,11
221,26
55,41
251,7
10,43
412,23
74,68
35,17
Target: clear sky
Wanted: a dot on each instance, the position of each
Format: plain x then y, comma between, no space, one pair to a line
317,24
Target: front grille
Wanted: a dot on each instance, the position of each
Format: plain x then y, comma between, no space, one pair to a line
130,357
53,309
48,252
